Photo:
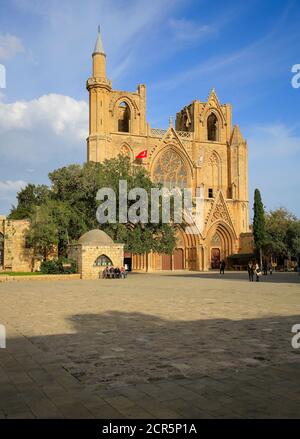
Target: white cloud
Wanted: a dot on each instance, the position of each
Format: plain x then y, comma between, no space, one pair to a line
10,46
273,140
9,189
37,137
187,30
59,114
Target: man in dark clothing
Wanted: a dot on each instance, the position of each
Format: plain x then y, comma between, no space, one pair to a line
250,269
265,268
222,267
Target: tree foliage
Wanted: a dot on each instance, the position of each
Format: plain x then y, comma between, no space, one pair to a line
28,198
43,234
259,225
64,211
282,234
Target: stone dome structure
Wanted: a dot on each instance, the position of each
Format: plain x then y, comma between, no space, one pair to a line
95,237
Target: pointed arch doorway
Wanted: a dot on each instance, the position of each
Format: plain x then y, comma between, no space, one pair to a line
221,243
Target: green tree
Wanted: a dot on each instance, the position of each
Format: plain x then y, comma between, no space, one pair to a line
278,222
293,239
138,238
259,226
43,233
28,198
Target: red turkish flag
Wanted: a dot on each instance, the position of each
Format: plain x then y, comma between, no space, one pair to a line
142,154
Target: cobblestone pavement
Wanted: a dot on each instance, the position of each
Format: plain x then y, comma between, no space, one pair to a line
151,346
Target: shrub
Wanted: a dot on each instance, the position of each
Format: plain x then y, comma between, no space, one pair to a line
56,266
49,267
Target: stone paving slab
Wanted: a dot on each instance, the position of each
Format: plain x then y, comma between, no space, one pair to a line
154,346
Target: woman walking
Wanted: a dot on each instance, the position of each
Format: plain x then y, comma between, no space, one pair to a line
257,272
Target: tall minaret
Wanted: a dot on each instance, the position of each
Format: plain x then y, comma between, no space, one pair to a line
99,88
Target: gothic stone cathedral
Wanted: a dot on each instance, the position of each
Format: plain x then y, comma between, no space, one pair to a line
203,149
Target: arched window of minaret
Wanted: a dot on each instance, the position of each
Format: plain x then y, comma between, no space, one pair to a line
212,127
123,118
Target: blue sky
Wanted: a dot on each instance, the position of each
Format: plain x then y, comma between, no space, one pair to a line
179,49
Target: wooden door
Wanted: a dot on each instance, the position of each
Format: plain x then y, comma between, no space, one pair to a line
215,258
192,258
178,259
166,262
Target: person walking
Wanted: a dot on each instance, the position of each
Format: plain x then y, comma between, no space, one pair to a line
265,268
257,272
222,267
250,269
270,268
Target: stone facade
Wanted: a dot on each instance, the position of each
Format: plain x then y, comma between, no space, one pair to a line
202,151
14,254
247,243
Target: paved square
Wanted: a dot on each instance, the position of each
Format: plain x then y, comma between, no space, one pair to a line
154,345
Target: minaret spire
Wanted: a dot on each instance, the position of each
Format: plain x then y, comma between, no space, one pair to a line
99,58
99,45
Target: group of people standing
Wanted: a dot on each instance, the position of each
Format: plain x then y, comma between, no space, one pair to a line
253,269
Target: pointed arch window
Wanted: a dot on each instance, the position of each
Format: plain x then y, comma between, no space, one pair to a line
170,170
125,151
212,128
103,261
123,117
214,174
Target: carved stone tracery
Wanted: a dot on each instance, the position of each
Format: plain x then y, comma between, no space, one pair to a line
170,170
125,151
220,213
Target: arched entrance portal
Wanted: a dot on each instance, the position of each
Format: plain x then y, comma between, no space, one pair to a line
221,244
1,250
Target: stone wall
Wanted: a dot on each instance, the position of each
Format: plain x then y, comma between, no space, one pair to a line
246,243
42,277
16,256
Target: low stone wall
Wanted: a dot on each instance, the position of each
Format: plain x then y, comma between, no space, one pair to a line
4,278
